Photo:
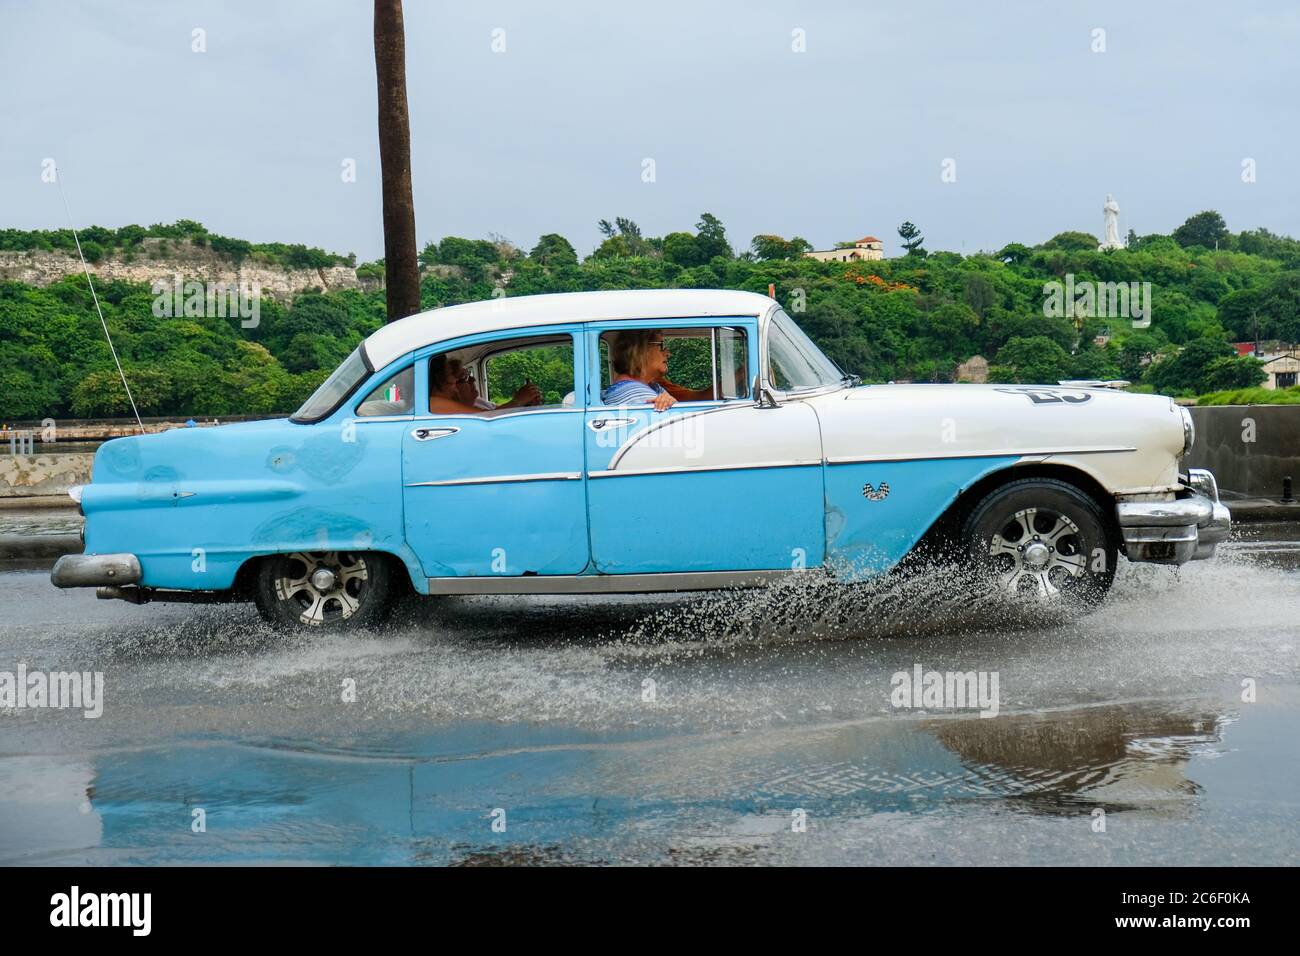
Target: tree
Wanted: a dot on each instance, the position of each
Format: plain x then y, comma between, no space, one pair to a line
979,292
1188,372
1036,360
554,250
1233,372
683,249
1093,362
1013,253
912,239
1281,303
769,247
1204,229
1073,241
401,268
1137,352
622,239
455,251
711,238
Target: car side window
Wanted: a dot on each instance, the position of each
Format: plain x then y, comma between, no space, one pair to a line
394,396
704,364
550,367
533,372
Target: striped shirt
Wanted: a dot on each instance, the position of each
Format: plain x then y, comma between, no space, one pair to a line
630,392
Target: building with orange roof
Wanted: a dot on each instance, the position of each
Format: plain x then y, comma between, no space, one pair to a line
865,249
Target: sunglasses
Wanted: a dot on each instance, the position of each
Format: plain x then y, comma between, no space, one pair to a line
660,344
465,379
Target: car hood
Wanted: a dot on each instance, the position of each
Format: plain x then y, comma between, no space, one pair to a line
1134,439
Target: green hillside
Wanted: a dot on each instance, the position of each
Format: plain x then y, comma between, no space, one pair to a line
915,317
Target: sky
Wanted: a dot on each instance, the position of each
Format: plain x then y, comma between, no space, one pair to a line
983,123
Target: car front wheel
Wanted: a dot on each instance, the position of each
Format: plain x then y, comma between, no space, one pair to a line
332,590
1043,539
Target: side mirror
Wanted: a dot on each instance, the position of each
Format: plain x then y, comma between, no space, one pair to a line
762,397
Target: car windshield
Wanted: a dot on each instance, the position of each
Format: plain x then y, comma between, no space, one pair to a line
795,363
351,373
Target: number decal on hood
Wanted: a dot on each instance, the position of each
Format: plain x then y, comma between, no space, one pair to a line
1048,396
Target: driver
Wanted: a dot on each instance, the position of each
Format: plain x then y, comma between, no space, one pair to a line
640,360
445,391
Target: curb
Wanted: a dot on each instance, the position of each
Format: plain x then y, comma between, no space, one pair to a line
23,502
1262,509
34,546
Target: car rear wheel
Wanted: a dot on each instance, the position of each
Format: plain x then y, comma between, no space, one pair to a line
1039,539
332,590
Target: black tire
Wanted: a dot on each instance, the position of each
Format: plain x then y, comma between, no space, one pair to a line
360,596
1044,539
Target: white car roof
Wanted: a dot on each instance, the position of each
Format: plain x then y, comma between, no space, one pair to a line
438,325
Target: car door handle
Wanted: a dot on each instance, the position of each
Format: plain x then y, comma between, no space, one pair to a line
429,434
600,424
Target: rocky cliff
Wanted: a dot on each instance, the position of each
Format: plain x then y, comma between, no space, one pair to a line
162,259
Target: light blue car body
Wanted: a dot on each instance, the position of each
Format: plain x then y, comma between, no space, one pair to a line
194,505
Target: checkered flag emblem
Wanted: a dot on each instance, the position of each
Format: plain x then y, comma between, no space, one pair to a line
871,494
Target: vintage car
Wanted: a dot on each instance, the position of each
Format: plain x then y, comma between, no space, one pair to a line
775,463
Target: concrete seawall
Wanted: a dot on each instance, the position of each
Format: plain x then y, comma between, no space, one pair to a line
1250,448
42,475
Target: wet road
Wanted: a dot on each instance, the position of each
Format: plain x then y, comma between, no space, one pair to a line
540,715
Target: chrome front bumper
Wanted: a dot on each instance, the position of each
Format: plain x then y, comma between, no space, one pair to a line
93,570
1178,531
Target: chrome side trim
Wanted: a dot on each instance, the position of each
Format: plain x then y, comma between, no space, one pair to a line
501,479
490,416
991,453
673,470
606,583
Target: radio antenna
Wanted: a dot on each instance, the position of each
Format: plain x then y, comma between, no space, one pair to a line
58,181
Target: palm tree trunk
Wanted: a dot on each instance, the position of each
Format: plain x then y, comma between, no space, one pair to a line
401,267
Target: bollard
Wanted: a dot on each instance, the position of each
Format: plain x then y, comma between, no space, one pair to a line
1287,497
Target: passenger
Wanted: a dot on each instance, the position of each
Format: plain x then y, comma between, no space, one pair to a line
640,360
445,392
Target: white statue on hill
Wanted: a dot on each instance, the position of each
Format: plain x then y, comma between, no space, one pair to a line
1110,213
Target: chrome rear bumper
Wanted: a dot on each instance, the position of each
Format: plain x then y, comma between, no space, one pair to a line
93,570
1178,531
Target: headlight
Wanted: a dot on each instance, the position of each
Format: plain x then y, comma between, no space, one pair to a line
1189,431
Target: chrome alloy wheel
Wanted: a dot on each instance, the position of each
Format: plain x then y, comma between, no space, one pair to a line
1038,551
326,586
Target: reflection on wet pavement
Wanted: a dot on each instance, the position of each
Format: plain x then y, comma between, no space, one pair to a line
763,705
